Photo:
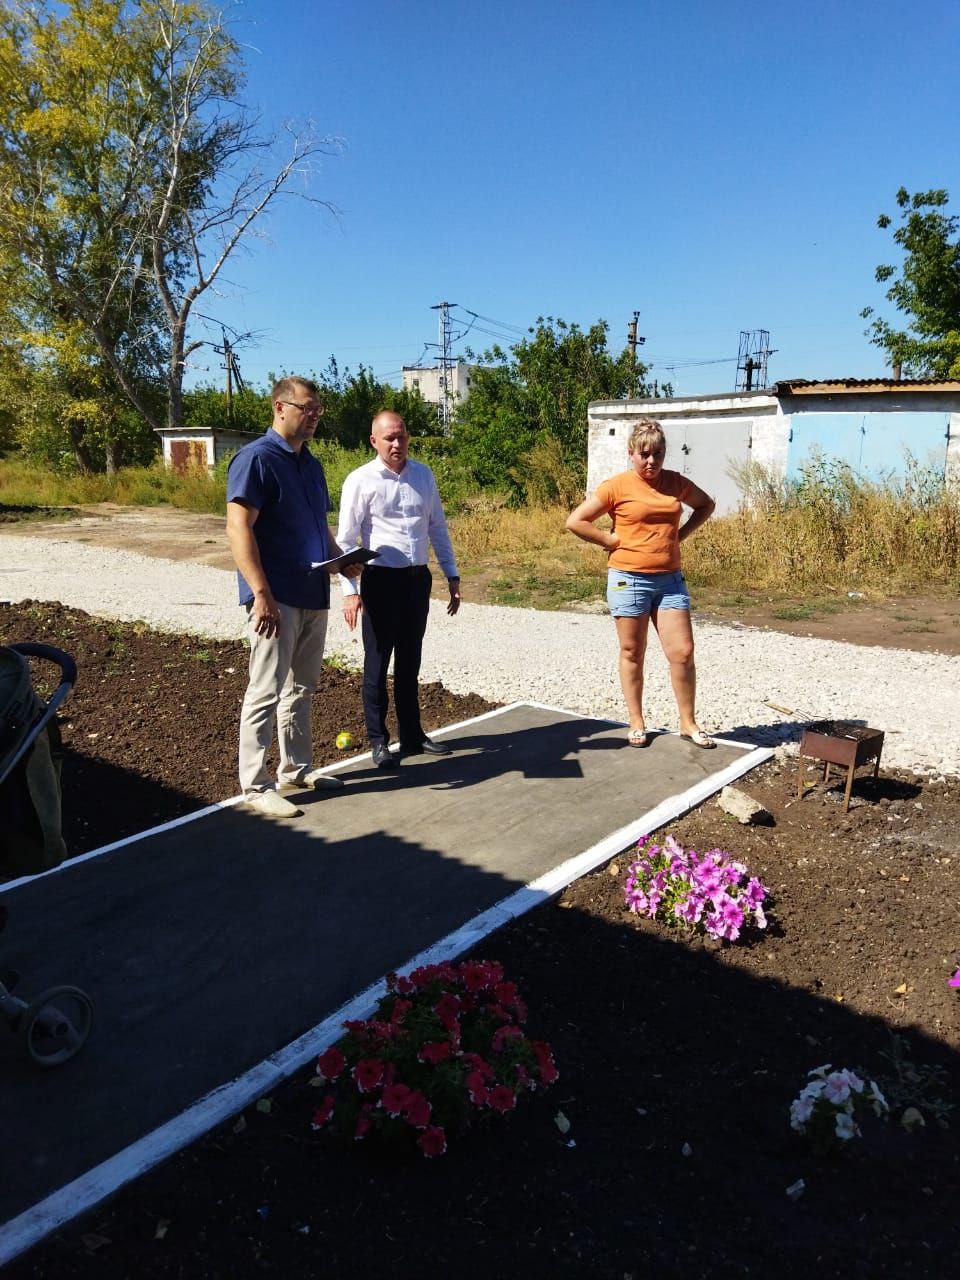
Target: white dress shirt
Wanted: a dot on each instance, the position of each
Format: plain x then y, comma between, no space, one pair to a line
398,515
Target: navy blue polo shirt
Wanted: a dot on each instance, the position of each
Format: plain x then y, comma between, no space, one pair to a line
290,492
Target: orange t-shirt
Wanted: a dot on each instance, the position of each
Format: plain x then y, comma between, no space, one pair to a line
647,518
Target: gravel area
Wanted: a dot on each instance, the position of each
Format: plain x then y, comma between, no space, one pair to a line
562,659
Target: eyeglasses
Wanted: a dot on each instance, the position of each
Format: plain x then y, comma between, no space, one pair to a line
308,410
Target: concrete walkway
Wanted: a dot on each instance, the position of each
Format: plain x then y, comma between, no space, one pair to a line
211,945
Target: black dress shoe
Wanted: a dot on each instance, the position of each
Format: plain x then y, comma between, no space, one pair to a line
383,758
434,748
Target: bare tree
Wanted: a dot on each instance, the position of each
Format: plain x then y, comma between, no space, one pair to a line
130,172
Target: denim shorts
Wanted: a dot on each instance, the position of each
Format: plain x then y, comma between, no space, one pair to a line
631,595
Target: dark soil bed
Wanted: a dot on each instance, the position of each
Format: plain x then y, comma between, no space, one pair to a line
678,1059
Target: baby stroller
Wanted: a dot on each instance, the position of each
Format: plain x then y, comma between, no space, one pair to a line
53,1027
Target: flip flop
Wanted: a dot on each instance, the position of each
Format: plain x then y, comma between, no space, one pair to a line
699,739
638,738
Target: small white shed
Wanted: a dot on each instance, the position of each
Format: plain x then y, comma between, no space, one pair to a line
200,446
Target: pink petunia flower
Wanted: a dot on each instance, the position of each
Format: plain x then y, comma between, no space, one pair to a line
434,1052
322,1113
364,1121
545,1063
447,1008
394,1098
955,980
330,1063
732,914
417,1110
400,1010
477,1090
433,1141
474,978
474,1062
368,1073
503,1098
503,1034
755,892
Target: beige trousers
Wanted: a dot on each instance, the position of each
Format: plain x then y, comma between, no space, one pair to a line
284,673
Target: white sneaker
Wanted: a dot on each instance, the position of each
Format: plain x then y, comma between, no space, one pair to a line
308,778
271,805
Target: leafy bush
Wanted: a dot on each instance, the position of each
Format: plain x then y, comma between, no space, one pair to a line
444,1049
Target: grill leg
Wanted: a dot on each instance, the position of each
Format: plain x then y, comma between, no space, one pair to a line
846,794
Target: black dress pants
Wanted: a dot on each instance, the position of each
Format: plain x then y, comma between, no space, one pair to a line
395,607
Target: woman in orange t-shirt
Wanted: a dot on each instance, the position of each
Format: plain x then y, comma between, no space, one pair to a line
644,581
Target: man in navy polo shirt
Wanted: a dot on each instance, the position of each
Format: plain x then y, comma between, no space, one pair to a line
277,505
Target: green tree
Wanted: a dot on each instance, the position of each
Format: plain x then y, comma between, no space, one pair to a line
206,406
927,288
352,400
128,175
537,394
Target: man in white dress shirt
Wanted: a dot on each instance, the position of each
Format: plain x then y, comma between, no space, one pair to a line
392,505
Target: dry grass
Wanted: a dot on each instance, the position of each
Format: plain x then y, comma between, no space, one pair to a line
25,486
527,554
823,533
829,531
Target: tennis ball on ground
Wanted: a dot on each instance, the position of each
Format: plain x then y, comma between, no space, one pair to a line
344,741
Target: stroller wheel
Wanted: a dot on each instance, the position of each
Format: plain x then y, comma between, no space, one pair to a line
55,1026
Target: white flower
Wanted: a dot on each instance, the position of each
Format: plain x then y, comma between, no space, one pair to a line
820,1071
801,1109
845,1127
837,1087
877,1100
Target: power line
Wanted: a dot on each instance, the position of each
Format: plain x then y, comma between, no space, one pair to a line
500,324
491,333
683,362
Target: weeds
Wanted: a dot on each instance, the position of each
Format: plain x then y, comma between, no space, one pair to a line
794,613
827,527
816,536
339,662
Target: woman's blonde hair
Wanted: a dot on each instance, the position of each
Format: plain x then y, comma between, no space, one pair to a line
647,431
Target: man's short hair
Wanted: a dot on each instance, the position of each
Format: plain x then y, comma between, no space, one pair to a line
285,387
647,431
393,414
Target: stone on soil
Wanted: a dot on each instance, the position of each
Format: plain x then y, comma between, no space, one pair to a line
744,808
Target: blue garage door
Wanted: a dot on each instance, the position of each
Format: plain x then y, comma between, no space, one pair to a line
874,444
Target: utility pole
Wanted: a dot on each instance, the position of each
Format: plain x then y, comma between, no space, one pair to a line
228,361
233,372
444,366
633,342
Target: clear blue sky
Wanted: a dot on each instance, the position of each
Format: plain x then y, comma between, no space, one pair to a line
714,164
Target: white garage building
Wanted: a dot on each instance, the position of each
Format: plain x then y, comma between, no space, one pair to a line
870,424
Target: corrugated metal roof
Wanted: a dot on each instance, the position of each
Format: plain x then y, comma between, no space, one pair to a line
806,386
